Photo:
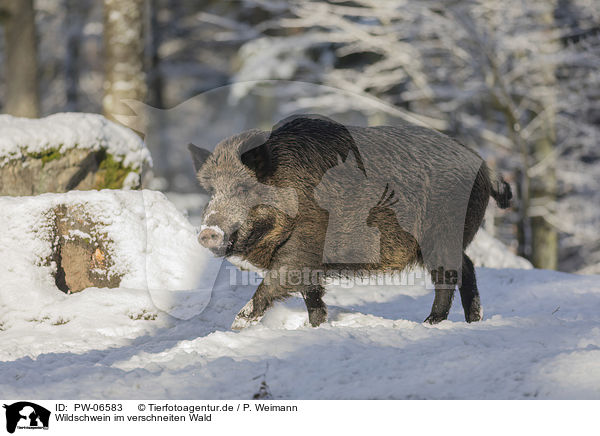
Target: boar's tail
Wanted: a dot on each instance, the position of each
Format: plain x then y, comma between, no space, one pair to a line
501,191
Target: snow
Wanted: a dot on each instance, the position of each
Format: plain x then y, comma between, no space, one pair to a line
154,248
485,250
539,339
65,131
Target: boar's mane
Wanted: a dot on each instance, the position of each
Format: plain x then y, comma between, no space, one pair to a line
293,145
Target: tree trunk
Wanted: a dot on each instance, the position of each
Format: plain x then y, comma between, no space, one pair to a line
543,186
544,237
21,58
124,55
76,16
155,79
543,193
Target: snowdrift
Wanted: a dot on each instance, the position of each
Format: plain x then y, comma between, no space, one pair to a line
152,248
487,251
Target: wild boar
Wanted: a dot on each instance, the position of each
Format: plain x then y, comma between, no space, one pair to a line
314,198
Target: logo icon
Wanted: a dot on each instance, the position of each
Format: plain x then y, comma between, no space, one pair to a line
26,415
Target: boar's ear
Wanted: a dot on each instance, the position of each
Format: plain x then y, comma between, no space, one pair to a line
199,155
257,154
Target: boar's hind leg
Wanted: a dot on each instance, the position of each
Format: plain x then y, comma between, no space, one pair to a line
317,310
469,295
254,310
441,305
443,297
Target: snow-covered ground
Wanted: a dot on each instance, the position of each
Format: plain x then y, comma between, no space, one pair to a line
540,337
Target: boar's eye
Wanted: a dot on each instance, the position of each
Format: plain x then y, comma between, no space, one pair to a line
242,189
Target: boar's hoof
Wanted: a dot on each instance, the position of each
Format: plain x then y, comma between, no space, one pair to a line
475,313
317,316
240,323
435,318
246,317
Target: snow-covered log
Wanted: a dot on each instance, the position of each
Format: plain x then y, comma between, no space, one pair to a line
68,151
107,239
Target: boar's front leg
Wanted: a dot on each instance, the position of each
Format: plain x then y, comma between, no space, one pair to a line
317,310
267,294
255,309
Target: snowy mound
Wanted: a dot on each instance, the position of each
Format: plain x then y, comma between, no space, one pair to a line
487,251
153,248
61,132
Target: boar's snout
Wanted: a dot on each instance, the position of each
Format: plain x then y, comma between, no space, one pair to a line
212,238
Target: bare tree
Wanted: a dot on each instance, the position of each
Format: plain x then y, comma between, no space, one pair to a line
124,54
21,58
518,58
544,185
